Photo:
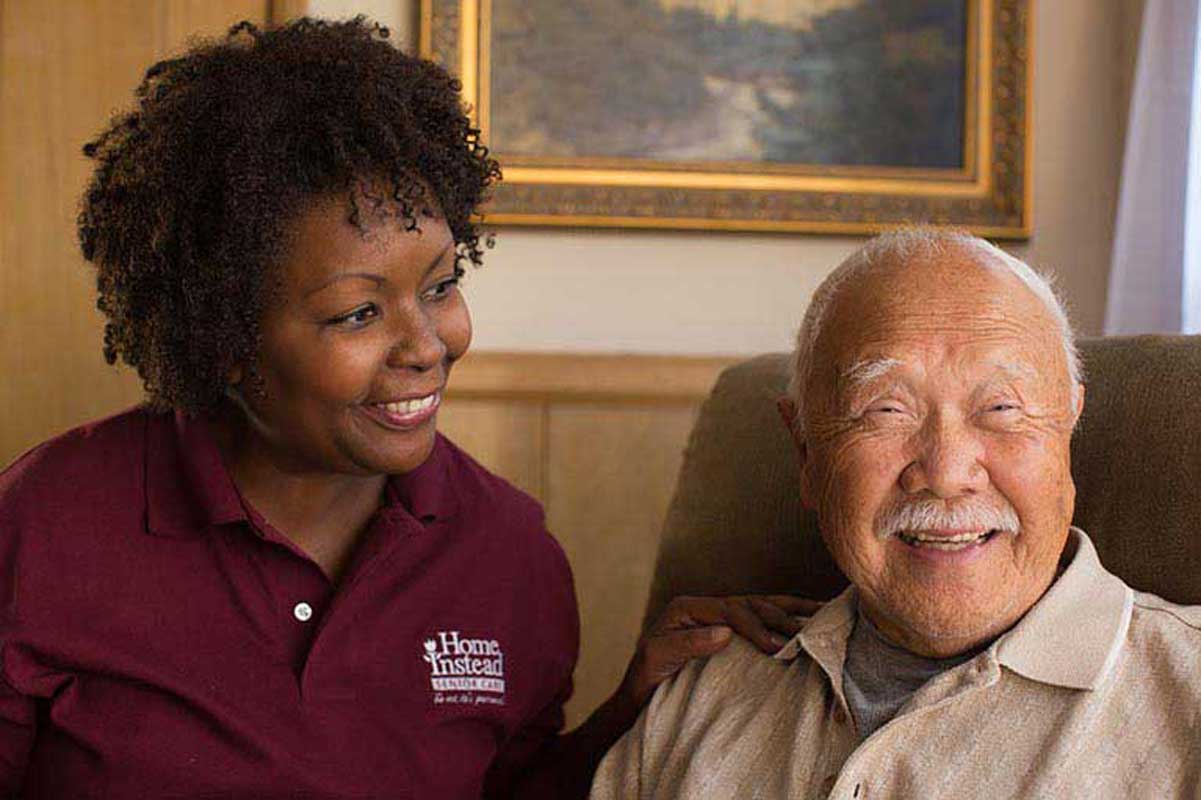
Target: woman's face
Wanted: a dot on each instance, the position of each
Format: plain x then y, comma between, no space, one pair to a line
357,344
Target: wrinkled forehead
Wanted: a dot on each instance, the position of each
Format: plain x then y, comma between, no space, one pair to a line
931,309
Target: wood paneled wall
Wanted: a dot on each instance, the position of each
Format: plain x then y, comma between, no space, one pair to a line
599,441
65,67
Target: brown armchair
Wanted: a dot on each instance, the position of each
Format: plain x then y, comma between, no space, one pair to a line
735,524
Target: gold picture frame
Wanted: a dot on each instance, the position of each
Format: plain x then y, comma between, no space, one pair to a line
988,193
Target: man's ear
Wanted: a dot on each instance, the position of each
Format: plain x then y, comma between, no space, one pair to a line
1079,403
787,410
788,413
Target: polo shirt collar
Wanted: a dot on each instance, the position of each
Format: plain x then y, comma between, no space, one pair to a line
428,492
1072,637
188,487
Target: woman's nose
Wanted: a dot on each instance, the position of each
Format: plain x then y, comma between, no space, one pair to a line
416,343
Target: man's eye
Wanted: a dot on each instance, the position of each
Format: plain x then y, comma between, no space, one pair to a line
357,318
1002,407
441,289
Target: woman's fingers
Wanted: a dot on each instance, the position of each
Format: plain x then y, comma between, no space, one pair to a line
699,626
662,653
776,618
749,623
791,604
734,611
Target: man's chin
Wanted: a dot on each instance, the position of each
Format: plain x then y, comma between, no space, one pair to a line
944,631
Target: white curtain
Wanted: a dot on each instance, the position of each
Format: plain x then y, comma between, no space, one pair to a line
1155,278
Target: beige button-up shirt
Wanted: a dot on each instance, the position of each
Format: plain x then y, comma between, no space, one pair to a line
1095,693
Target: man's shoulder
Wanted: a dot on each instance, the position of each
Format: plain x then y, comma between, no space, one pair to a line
1171,627
735,679
710,725
1162,646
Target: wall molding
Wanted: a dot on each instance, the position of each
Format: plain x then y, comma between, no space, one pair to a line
281,11
591,377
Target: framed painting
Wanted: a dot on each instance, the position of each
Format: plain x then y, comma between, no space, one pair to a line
840,116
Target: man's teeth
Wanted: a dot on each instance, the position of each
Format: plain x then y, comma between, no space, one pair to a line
407,407
956,542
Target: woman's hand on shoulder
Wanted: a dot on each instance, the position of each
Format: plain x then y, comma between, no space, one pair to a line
691,627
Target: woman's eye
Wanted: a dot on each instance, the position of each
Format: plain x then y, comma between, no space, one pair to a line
441,288
357,318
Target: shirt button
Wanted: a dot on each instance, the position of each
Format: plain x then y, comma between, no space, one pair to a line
840,716
303,612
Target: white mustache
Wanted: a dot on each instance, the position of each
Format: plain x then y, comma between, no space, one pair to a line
925,515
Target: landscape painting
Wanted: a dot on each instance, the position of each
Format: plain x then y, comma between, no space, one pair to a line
828,116
823,82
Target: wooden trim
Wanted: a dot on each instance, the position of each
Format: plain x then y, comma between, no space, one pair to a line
425,34
587,377
281,11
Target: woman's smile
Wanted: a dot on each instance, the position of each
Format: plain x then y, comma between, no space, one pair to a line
405,414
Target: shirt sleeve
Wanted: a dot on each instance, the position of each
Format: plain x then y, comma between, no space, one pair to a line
18,710
535,742
619,776
530,746
17,724
645,761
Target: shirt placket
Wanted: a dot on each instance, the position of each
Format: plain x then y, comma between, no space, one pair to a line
827,649
859,776
383,540
300,595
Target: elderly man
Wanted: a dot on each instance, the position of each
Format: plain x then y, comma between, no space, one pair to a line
981,650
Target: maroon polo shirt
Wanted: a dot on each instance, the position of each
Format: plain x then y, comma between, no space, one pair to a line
159,639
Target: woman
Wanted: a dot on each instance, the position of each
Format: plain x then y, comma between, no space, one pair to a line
275,579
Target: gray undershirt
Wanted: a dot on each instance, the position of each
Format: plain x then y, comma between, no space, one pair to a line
878,677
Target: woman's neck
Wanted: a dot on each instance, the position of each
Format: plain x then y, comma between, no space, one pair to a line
322,513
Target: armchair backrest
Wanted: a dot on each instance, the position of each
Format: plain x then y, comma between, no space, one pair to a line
735,524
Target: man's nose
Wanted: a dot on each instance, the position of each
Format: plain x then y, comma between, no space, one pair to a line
417,343
947,461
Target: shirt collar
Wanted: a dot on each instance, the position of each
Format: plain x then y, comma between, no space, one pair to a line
1071,637
428,492
188,487
824,637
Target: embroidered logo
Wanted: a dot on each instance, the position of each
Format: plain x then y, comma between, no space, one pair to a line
465,670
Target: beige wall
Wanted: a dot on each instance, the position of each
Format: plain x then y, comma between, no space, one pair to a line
68,63
715,293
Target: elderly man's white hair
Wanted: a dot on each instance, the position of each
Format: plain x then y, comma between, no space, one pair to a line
899,245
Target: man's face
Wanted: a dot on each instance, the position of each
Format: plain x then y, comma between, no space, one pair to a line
936,448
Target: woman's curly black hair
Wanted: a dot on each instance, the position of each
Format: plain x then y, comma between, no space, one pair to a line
194,188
